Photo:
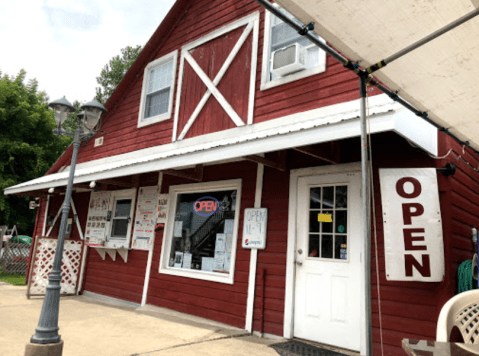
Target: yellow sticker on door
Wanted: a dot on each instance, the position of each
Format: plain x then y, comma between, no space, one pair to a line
325,218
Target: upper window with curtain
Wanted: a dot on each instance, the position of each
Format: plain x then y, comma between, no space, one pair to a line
288,56
157,92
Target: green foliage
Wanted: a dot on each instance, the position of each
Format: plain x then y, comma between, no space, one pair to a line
70,123
28,146
15,279
113,73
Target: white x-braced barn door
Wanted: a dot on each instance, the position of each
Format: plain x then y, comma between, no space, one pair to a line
217,80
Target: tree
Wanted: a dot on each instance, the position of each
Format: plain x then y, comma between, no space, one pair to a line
70,123
28,146
113,73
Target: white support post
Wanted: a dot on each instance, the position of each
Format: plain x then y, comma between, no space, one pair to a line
150,254
44,229
54,222
254,254
77,220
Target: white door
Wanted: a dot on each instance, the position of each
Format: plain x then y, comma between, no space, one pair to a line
327,297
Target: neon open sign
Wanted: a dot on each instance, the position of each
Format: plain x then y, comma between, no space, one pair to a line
206,206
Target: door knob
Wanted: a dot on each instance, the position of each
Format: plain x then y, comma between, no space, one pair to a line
299,263
300,251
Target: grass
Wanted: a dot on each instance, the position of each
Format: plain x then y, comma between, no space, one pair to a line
15,279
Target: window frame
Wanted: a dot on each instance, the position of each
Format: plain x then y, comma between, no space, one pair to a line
167,237
265,71
118,195
152,65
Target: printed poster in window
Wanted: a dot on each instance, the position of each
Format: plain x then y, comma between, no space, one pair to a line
95,232
162,208
145,218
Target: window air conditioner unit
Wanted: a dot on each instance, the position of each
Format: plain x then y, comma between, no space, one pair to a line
288,60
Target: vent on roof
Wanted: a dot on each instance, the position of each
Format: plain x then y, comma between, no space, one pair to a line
98,141
287,60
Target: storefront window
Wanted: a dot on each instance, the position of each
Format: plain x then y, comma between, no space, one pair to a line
203,231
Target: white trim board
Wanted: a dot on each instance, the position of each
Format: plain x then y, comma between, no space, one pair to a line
174,191
291,241
326,124
265,70
167,115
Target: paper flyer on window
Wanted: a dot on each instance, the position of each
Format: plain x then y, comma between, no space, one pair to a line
95,233
145,218
162,208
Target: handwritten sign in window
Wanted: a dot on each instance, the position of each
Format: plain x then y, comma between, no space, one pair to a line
254,228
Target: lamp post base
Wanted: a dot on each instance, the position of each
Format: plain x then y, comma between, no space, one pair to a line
44,349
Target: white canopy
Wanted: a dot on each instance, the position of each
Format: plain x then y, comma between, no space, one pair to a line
441,77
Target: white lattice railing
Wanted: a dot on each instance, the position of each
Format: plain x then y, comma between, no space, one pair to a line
43,262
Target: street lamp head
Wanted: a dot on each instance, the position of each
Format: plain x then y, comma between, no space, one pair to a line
61,108
92,113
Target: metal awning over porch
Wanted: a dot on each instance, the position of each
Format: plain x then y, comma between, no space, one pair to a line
327,124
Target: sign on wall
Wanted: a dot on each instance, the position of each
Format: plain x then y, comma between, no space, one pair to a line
95,233
145,218
254,228
413,241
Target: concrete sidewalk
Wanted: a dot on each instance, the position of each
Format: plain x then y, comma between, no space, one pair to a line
93,326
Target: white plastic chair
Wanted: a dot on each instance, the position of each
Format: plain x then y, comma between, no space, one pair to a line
461,311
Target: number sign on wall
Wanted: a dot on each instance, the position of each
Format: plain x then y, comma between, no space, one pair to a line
254,228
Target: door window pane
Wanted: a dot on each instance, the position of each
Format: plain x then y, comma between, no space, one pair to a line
313,246
328,198
315,198
313,221
340,247
327,226
327,246
328,222
341,222
341,197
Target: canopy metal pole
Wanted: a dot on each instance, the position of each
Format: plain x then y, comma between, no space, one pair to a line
423,41
365,210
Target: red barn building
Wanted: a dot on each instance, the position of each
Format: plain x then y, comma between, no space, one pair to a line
202,127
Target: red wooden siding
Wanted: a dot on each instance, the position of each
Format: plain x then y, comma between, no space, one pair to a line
335,85
116,278
216,301
411,309
211,57
273,259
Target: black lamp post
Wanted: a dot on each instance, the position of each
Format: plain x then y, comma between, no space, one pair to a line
88,125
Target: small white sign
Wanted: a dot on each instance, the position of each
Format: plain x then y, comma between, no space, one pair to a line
413,241
254,228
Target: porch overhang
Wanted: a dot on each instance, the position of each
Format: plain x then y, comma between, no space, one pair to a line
439,78
332,123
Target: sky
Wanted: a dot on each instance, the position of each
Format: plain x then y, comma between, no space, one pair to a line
64,44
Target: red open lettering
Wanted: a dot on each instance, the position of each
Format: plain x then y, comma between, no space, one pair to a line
409,239
407,212
424,269
400,187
